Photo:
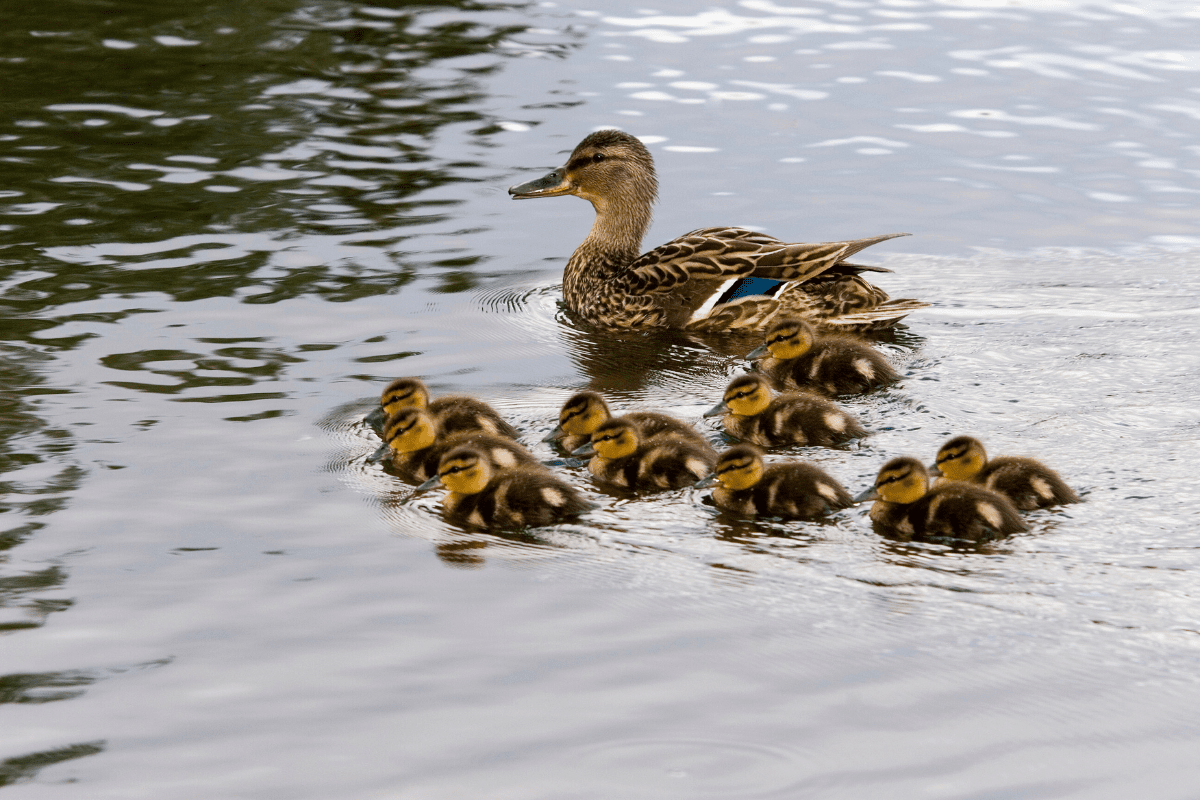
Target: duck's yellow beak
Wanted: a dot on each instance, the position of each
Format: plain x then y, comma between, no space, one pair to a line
551,185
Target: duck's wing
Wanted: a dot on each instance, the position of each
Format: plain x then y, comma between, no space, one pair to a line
713,254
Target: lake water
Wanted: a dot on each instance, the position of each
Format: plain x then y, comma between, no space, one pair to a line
224,228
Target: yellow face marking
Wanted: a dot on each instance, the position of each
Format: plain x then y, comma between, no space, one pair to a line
409,430
740,473
614,442
747,397
902,484
788,342
961,461
582,417
465,474
404,393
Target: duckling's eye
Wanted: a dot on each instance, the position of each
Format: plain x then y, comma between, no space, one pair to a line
951,456
598,157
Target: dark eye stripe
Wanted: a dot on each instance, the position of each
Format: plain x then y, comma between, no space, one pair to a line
952,456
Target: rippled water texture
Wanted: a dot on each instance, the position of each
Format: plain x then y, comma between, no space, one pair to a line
223,228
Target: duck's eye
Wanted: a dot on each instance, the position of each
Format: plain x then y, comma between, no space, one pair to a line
598,157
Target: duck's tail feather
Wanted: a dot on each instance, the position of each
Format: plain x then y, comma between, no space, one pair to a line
885,315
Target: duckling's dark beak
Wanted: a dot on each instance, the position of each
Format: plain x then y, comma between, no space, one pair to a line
555,435
758,352
934,469
551,185
585,450
720,409
869,494
380,454
432,483
376,418
703,483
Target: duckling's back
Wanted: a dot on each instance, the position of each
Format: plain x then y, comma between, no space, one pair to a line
663,461
836,365
787,489
960,510
670,461
653,423
518,497
1028,483
796,418
462,414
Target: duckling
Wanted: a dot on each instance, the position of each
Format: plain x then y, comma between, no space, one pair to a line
796,358
454,413
1028,483
782,489
905,505
418,444
750,414
696,282
482,496
585,411
621,457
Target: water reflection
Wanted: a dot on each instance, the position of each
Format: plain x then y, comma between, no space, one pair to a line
24,768
178,156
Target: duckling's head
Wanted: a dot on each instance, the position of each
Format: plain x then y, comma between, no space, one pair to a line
787,339
615,438
608,168
740,467
404,393
902,480
410,429
961,458
465,470
583,413
745,396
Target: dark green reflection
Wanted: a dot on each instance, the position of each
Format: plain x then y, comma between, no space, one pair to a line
23,768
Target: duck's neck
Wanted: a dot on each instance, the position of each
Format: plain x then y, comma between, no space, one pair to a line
616,236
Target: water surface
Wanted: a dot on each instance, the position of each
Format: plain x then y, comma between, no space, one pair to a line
226,228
